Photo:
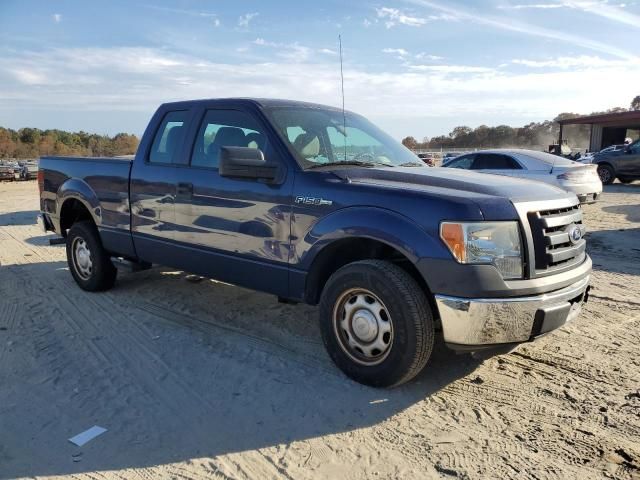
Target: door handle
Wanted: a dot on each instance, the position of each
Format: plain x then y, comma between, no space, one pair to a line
184,190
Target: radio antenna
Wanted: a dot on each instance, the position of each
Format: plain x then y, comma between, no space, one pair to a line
344,116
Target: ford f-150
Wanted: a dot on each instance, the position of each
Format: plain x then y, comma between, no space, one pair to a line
316,205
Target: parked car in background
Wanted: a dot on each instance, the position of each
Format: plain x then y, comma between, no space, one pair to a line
623,164
449,156
572,176
7,172
427,158
612,148
588,157
28,171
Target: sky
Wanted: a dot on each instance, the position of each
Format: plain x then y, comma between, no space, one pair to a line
414,67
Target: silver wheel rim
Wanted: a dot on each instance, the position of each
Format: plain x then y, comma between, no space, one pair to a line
82,261
363,326
604,175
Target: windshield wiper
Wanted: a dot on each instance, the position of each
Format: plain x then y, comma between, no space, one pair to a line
356,163
412,164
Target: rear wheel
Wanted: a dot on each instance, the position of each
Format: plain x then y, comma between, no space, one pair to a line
376,323
606,174
89,263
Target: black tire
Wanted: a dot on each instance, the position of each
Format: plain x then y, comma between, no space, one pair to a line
625,180
606,174
398,298
99,273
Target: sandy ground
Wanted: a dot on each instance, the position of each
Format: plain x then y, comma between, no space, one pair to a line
205,380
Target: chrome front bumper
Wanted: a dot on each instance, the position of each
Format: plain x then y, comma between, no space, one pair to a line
469,322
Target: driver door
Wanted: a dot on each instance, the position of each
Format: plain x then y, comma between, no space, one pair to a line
233,229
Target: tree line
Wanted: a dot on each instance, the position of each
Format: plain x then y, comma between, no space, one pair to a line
535,135
34,143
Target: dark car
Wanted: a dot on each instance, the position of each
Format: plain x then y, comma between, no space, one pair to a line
7,172
623,164
427,158
28,171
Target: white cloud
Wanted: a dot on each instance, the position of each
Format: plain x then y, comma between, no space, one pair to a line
427,56
138,79
451,69
396,51
605,10
513,25
581,61
532,6
216,22
393,16
601,8
244,20
293,51
57,17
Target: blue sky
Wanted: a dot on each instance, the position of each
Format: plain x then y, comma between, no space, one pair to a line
415,67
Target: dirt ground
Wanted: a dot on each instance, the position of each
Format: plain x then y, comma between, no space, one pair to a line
197,379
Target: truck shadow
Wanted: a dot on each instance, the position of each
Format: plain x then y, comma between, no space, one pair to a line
632,212
622,187
176,369
27,217
616,250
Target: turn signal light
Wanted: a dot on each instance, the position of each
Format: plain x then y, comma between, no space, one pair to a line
453,236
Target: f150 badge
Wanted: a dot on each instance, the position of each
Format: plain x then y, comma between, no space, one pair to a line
312,201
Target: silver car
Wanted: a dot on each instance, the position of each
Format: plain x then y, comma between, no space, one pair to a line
583,180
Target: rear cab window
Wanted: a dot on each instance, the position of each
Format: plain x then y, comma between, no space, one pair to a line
169,138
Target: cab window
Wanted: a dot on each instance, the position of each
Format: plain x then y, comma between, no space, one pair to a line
225,128
169,137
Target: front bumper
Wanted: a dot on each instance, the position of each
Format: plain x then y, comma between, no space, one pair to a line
477,323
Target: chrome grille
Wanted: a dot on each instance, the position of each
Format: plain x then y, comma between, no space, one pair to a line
552,232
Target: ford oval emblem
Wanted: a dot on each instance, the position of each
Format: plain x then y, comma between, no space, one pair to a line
575,234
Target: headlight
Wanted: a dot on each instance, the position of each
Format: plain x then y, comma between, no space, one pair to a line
494,243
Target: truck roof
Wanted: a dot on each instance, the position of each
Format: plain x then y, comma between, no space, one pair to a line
260,102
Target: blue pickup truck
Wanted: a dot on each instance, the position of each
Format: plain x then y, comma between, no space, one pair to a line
316,205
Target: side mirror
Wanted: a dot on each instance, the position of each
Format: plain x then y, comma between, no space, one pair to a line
245,162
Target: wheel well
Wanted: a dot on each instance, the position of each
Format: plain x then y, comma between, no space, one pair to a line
607,164
341,252
72,211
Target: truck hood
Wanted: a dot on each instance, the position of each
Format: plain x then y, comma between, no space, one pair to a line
466,182
493,194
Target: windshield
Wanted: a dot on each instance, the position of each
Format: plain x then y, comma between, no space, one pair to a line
318,137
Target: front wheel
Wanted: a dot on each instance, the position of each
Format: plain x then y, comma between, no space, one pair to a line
89,263
606,174
376,323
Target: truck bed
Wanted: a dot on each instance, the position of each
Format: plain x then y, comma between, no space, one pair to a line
103,181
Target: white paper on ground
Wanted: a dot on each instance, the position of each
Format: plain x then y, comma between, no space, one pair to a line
87,435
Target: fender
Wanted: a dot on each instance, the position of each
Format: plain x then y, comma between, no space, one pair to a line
375,223
77,189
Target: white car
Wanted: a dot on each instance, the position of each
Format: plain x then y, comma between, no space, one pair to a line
583,180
